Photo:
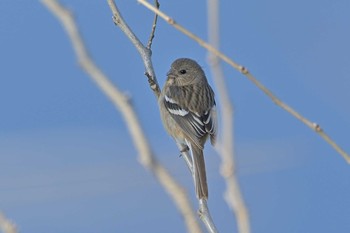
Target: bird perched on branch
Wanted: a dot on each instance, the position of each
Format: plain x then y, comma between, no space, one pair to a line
188,112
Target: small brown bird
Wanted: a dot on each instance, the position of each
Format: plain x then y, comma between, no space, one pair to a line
188,112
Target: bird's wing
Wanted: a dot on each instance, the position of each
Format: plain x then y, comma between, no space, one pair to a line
196,126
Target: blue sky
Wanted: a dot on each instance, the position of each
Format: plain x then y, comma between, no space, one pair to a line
68,163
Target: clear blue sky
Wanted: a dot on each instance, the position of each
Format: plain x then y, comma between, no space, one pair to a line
67,163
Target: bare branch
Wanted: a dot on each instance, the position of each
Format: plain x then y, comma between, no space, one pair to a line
225,147
314,126
204,213
154,25
146,155
205,216
6,225
145,52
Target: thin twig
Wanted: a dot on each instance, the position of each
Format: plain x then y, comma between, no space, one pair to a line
146,155
6,225
233,195
144,52
154,25
314,126
205,216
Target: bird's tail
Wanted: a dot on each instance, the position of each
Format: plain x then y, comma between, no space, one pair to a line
199,173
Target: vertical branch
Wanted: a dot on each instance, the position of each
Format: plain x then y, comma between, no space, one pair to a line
203,210
145,52
6,226
146,155
225,147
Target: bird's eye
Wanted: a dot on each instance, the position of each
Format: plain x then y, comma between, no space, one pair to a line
182,71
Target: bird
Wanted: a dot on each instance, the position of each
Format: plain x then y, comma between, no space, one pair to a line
188,112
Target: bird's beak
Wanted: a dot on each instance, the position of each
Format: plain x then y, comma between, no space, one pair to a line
169,73
172,73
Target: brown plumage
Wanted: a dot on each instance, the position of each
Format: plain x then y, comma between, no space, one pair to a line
187,107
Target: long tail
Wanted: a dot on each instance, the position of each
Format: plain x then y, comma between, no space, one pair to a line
199,173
